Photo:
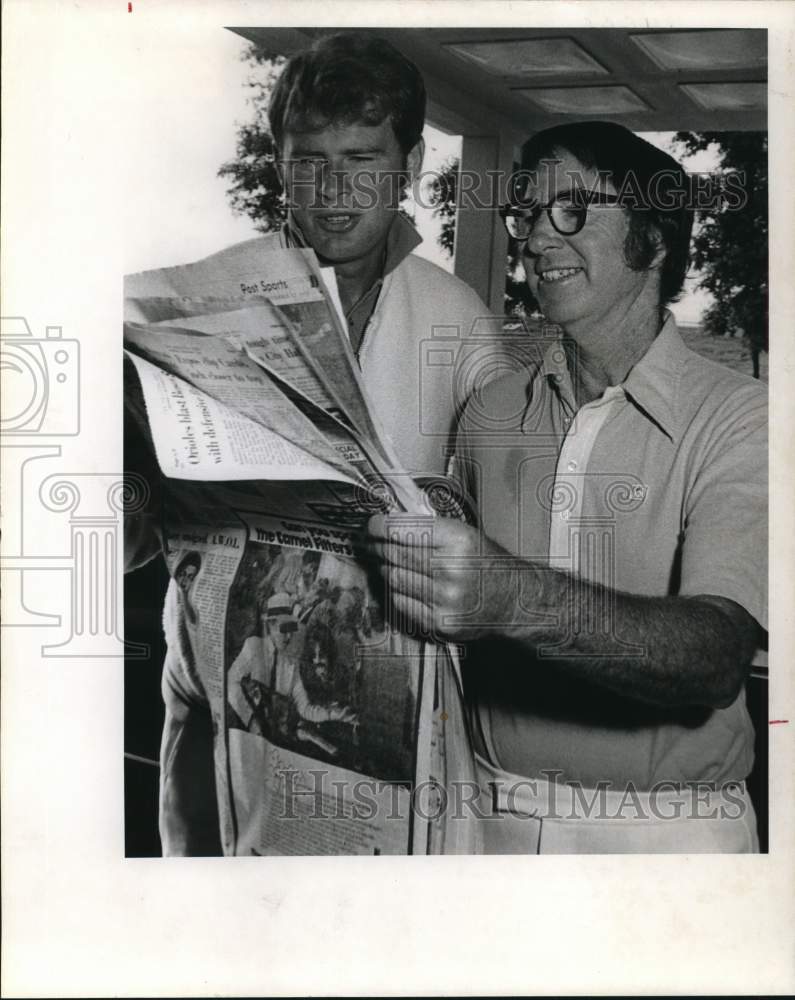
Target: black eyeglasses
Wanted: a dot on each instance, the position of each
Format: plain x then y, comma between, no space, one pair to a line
567,214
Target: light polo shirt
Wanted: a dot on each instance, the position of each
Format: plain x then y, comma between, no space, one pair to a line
659,487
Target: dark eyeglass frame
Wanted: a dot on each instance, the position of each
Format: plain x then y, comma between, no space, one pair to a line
577,203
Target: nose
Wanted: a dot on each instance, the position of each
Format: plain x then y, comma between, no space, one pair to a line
543,236
334,180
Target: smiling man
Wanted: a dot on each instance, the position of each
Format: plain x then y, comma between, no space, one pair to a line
615,593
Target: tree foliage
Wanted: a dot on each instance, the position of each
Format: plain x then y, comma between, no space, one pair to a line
730,247
446,191
255,189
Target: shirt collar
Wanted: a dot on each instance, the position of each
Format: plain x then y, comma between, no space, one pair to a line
556,371
652,384
401,240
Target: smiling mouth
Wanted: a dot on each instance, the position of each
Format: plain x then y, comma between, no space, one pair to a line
558,274
338,222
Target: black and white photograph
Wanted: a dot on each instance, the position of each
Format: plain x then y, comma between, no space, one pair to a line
597,382
301,675
396,476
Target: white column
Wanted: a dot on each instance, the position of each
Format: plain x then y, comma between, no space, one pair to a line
481,245
94,503
17,557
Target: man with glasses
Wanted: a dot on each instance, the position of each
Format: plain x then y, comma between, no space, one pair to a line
615,591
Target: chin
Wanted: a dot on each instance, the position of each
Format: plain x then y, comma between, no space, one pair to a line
553,313
561,309
332,250
341,253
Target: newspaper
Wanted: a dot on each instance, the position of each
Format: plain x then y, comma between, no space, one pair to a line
295,288
219,377
338,730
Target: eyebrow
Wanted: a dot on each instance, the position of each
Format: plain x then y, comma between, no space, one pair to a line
559,193
350,151
572,189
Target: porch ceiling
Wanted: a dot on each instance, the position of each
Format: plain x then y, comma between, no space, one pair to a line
517,81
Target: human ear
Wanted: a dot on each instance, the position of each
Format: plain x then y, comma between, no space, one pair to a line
657,244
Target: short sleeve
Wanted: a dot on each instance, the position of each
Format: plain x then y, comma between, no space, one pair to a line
724,550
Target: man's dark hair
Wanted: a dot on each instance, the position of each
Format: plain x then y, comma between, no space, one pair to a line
345,78
655,188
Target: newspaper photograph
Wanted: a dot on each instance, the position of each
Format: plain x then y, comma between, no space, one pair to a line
280,339
313,670
342,714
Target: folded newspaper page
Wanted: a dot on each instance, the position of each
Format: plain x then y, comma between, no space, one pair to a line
296,287
223,371
254,325
286,394
338,730
197,437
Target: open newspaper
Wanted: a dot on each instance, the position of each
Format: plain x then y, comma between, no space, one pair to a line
338,731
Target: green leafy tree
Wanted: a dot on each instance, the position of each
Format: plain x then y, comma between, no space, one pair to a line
730,248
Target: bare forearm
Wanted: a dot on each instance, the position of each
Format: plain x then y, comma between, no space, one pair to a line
664,650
